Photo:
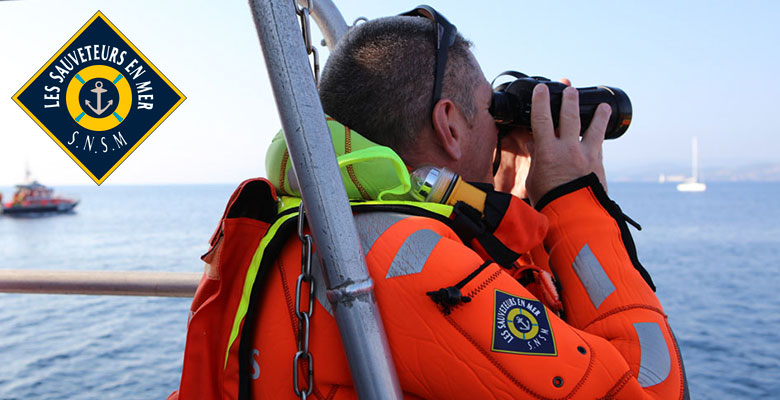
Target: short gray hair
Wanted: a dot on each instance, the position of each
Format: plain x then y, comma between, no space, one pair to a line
379,79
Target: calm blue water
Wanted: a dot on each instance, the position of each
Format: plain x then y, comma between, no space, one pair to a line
103,347
715,257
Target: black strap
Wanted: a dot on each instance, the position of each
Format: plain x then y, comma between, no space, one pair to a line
468,223
246,341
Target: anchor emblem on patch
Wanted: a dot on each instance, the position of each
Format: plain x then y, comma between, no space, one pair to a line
98,90
521,326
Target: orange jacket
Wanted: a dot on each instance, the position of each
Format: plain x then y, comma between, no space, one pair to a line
498,340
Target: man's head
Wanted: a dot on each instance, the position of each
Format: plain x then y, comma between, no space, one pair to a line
379,81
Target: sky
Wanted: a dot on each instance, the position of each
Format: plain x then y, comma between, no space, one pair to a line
692,68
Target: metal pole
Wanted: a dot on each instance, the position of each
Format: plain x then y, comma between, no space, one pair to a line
120,283
329,19
350,288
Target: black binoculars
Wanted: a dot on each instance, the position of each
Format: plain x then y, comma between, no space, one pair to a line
511,103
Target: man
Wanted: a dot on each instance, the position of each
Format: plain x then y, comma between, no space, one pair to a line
473,314
372,90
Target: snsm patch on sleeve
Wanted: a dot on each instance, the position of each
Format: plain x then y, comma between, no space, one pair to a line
521,326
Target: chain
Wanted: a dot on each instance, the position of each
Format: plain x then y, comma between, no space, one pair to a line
304,13
302,361
304,317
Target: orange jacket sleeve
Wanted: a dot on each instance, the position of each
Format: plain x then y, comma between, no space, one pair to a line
605,291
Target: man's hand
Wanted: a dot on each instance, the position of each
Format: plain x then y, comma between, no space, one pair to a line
515,161
560,157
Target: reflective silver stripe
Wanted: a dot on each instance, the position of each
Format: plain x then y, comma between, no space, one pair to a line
656,363
592,276
371,225
319,286
413,254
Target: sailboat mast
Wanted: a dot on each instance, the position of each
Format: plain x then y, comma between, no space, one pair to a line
27,174
692,184
695,159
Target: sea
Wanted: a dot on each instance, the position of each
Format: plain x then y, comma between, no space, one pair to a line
714,256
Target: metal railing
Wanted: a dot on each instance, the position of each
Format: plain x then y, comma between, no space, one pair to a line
119,283
329,20
349,286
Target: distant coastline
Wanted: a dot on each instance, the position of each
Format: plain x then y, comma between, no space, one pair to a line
759,172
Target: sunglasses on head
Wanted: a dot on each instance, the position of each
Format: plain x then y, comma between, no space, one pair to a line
445,37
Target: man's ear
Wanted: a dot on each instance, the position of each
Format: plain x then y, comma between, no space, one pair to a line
448,128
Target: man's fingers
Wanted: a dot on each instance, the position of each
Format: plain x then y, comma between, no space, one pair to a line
594,136
541,118
569,123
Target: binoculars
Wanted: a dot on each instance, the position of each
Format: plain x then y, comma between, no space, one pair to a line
511,103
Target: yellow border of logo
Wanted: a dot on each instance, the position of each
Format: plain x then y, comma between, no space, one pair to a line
97,15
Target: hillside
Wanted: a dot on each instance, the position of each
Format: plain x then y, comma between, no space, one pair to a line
763,172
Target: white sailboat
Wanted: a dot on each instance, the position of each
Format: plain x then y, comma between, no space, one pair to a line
692,184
